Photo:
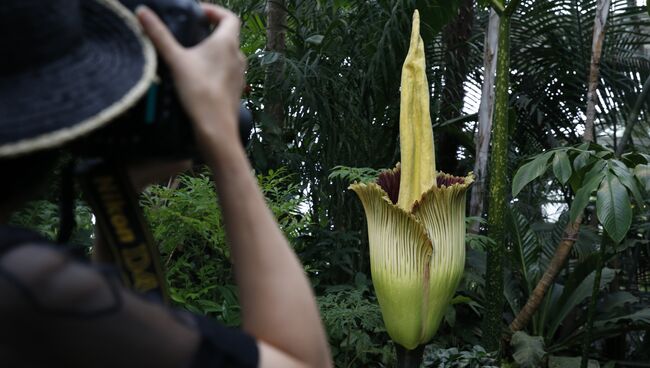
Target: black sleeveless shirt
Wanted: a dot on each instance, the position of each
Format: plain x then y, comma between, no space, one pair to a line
220,346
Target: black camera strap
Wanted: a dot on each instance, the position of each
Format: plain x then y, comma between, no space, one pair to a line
108,189
66,204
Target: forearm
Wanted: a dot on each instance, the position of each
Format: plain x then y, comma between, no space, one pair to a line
277,302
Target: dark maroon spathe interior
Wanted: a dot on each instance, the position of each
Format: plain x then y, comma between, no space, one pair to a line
389,181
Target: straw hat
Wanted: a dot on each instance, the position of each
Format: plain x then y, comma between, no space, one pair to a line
67,67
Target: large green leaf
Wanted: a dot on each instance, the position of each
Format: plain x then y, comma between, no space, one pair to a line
641,317
528,350
584,194
617,300
526,247
626,176
562,167
642,173
613,207
530,172
582,160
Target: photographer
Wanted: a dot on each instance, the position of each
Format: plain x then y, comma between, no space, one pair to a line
68,67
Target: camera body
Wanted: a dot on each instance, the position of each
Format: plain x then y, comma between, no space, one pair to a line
158,126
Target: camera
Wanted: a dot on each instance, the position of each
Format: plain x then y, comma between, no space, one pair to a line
157,126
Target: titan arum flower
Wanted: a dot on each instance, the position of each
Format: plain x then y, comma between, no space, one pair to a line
416,219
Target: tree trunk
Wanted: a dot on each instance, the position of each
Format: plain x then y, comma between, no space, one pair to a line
498,196
602,11
455,37
273,126
485,113
563,250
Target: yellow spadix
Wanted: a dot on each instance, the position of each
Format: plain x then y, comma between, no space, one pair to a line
416,219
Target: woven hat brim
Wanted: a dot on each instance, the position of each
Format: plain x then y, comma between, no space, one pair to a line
53,104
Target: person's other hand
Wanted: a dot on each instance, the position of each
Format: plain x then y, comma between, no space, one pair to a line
209,76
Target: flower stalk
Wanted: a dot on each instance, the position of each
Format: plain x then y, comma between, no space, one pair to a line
498,194
409,358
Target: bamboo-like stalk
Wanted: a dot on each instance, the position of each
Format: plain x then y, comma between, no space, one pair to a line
498,195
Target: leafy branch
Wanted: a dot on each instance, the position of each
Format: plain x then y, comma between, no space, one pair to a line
588,168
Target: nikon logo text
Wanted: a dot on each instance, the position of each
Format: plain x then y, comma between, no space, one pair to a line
115,208
131,245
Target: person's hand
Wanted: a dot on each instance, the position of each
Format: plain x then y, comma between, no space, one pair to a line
209,76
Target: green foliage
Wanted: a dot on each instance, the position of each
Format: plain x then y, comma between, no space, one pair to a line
354,174
186,223
530,171
435,15
355,328
286,201
643,173
589,167
613,207
561,317
470,357
577,290
187,226
42,216
553,41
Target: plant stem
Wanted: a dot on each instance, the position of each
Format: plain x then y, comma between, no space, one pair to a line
492,325
409,358
594,300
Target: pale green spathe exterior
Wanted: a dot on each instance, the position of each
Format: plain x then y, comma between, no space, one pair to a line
416,259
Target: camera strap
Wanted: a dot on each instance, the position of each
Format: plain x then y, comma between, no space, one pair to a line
108,189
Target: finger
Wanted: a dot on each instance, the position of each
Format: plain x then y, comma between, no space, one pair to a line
159,34
227,22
